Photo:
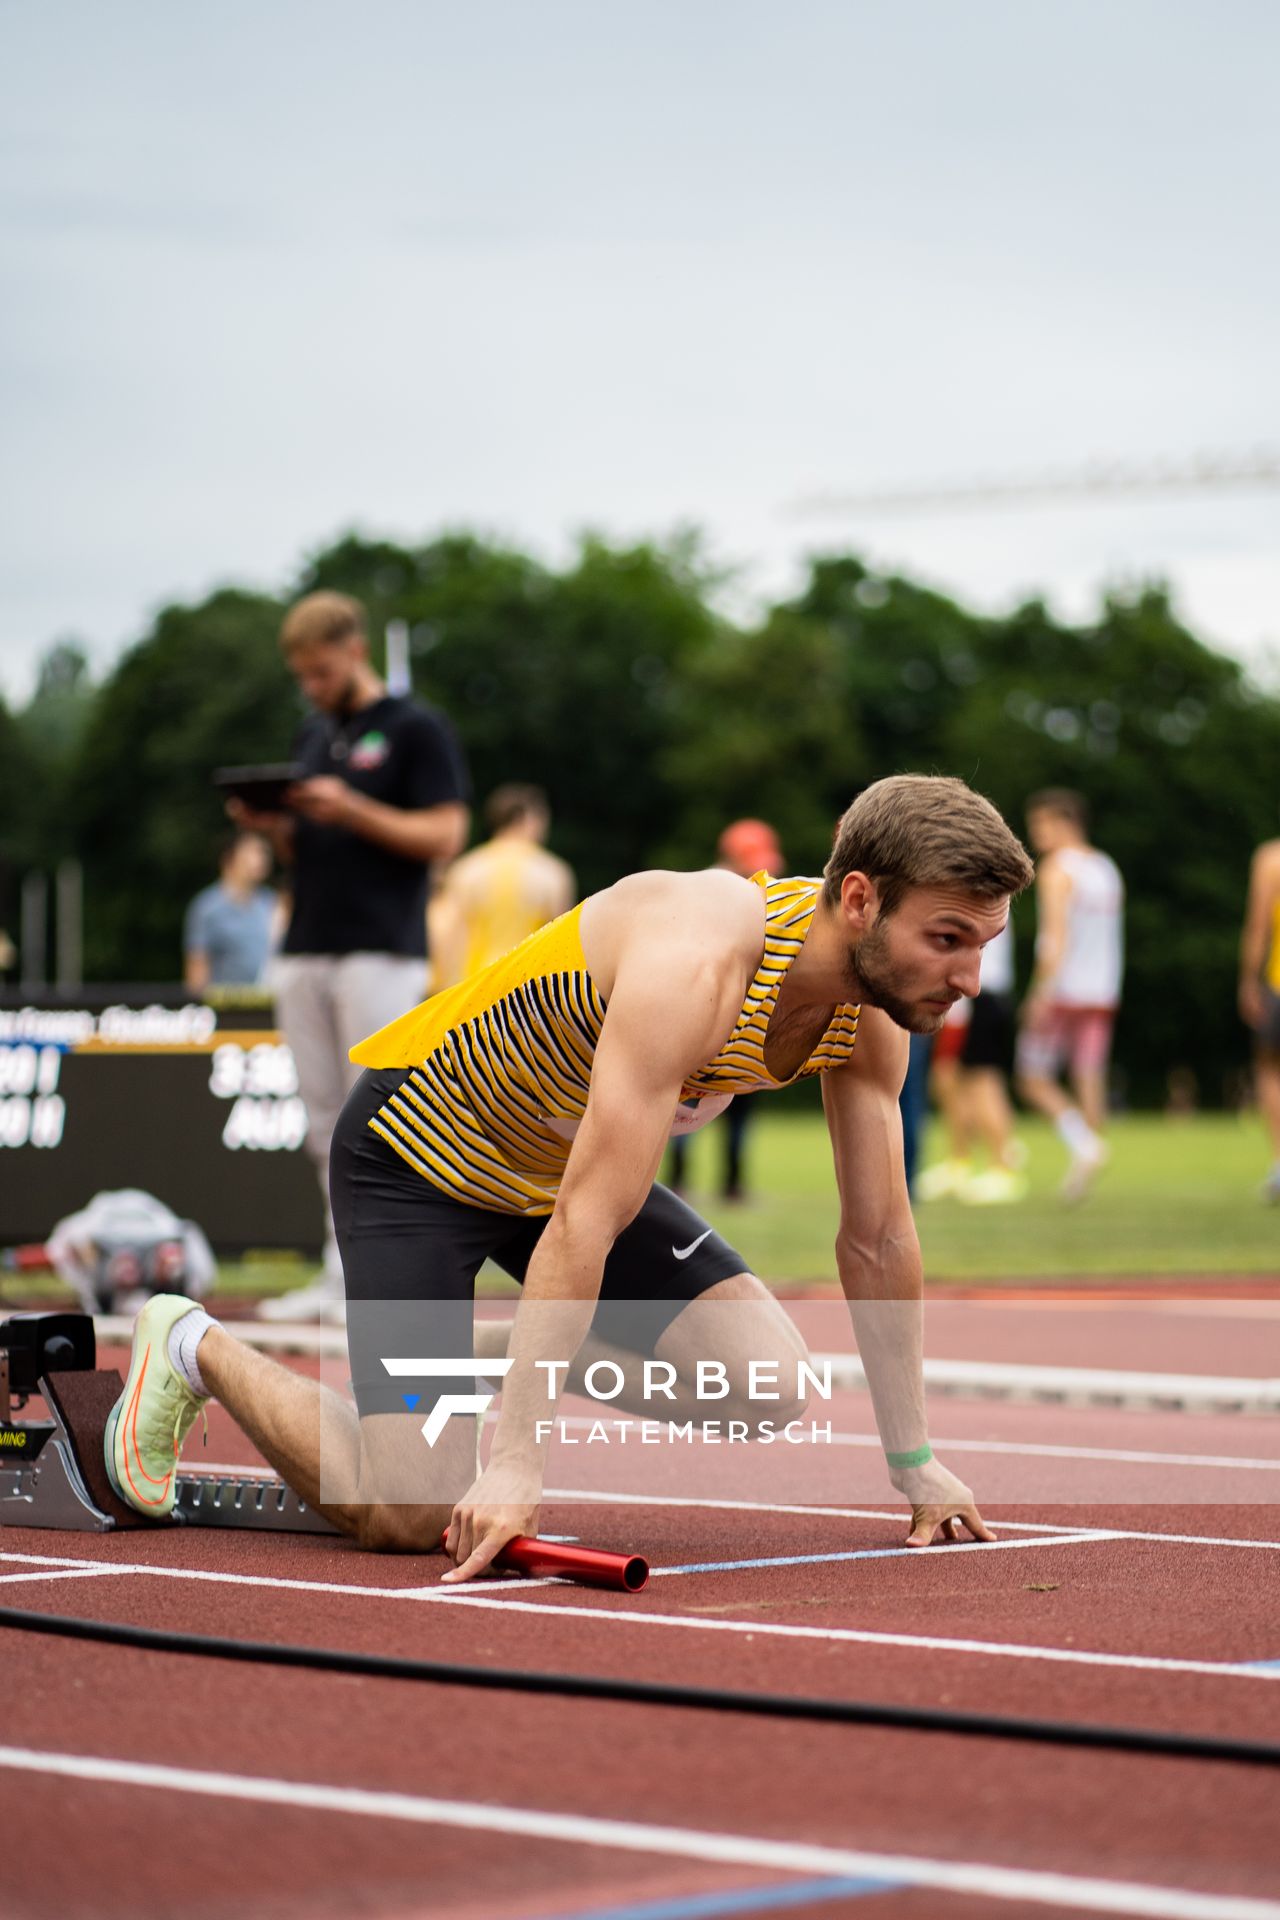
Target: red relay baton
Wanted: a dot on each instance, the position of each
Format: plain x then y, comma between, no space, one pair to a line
589,1566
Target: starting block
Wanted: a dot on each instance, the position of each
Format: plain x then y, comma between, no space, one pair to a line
52,1472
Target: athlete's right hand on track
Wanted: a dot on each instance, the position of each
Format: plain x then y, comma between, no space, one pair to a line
940,1504
502,1504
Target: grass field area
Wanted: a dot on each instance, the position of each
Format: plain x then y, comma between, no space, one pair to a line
1178,1197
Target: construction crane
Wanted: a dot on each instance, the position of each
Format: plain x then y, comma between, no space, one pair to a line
1097,480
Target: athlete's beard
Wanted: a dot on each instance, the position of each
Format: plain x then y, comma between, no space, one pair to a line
868,969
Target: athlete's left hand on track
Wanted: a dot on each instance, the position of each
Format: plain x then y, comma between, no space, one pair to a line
940,1505
502,1504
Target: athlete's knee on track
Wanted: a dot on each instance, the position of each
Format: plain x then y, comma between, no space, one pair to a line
401,1529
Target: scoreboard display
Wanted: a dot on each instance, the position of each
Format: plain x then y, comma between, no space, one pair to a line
194,1100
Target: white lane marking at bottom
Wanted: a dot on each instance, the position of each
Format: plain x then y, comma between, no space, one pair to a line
1081,1893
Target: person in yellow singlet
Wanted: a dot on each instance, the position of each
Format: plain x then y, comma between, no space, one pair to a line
1260,994
523,1115
495,896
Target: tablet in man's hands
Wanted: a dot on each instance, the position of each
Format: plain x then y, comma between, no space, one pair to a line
260,788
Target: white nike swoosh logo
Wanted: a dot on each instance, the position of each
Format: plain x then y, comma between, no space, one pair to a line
682,1253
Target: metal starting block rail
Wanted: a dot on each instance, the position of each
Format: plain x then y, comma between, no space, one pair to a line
52,1471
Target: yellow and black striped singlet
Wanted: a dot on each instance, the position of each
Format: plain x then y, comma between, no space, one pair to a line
500,1065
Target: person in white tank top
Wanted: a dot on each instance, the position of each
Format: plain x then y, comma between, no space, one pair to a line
1070,1008
1092,964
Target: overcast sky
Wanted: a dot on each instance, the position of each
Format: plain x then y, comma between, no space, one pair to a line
270,271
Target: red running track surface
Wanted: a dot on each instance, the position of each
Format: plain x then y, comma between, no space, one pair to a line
97,1849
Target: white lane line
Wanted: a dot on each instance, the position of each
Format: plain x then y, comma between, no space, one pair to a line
247,1579
509,1600
857,1636
82,1572
433,1592
593,1497
980,1878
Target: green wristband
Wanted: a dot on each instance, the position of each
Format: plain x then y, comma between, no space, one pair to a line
919,1457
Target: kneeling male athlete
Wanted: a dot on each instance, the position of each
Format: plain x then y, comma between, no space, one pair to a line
524,1114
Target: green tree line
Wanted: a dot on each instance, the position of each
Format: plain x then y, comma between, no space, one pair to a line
652,720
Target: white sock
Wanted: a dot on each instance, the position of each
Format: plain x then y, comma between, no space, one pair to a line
185,1336
1076,1134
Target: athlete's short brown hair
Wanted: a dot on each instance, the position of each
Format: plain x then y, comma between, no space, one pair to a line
920,830
320,619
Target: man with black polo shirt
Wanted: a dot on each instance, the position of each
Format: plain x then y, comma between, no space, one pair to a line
383,794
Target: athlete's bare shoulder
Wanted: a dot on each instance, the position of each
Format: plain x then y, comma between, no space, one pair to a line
709,919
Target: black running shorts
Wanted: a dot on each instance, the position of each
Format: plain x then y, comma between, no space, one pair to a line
404,1240
992,1029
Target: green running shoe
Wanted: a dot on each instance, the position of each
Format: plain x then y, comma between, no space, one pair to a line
151,1419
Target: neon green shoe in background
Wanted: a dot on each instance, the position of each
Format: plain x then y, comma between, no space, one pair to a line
942,1180
153,1416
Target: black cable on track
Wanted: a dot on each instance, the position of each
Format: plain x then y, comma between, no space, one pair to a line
585,1686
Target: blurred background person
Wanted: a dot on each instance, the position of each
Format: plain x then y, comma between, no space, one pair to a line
946,1176
745,847
383,793
986,1060
972,1059
502,891
125,1245
227,935
1260,994
1069,1013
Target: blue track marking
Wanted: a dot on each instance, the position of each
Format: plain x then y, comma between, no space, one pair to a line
720,1906
1263,1666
